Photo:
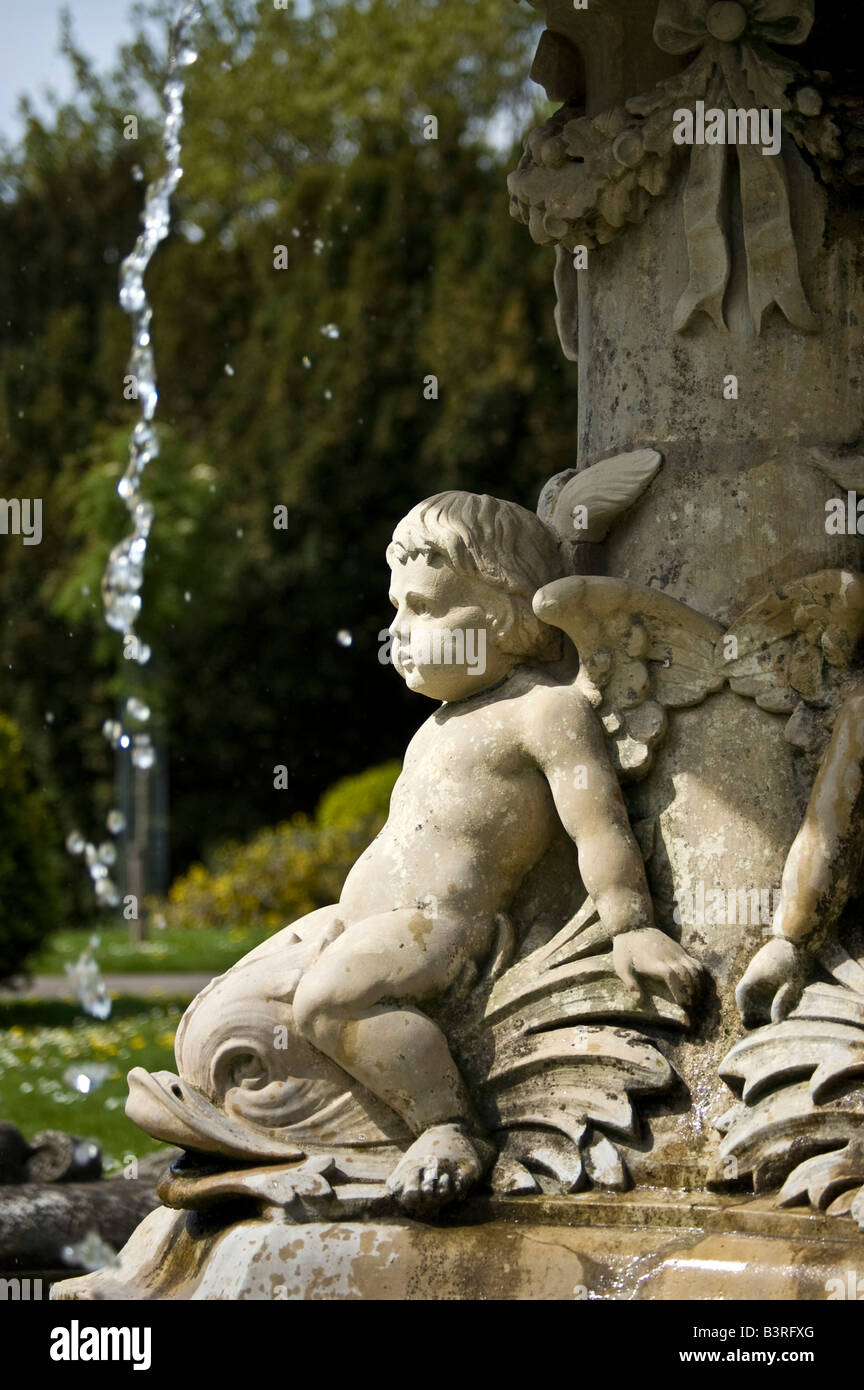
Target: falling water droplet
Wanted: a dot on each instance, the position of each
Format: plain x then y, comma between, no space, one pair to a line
143,752
86,1077
330,330
115,822
92,1253
75,842
229,370
307,361
112,730
344,637
143,517
136,709
317,246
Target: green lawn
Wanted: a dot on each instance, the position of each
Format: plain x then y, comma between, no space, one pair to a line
40,1041
171,949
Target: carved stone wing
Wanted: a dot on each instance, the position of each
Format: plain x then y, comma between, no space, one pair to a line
583,506
640,654
791,651
784,649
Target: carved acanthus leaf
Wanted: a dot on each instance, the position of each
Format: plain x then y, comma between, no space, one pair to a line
800,1086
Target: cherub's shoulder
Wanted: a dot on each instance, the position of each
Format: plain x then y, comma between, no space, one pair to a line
559,703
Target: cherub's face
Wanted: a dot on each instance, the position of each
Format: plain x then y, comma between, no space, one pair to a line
445,636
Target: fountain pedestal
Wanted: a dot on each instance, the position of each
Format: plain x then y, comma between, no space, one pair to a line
669,1245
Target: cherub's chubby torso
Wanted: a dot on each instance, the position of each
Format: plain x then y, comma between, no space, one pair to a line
472,811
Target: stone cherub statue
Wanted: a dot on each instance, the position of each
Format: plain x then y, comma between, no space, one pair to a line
465,1011
509,757
514,760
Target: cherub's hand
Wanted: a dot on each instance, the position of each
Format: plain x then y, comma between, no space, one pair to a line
772,983
650,953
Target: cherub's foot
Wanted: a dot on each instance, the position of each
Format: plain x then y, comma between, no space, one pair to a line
440,1167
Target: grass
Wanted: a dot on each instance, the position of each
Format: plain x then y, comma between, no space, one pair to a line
173,948
42,1041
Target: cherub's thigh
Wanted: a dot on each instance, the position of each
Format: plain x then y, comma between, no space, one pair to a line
400,954
316,928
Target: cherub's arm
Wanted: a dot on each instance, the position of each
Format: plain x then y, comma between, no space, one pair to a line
571,751
569,746
820,874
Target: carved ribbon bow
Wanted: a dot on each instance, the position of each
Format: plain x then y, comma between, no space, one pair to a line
735,68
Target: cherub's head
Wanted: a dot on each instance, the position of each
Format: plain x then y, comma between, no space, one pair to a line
464,571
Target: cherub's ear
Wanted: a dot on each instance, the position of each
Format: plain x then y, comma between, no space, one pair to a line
585,506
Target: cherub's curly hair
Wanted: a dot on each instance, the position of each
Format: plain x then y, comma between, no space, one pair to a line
498,542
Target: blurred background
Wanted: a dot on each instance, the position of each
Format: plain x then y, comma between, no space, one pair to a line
294,392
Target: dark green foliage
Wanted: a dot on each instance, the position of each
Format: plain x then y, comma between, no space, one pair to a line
29,901
307,133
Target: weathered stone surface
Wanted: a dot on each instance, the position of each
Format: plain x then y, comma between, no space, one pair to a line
659,1245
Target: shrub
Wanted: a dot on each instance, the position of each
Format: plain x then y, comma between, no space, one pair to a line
354,803
29,891
289,869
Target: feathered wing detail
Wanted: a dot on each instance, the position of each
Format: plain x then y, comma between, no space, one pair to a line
787,650
641,653
584,506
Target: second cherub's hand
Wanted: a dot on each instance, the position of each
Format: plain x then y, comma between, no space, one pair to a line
772,983
650,953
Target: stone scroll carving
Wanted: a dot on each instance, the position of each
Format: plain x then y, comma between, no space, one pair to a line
583,179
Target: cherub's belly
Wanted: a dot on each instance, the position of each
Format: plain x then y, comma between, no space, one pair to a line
416,865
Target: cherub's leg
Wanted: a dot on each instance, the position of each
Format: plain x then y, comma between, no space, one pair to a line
357,1004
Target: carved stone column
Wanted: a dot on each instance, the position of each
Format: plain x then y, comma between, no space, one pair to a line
712,300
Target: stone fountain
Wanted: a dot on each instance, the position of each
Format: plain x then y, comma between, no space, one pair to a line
588,1020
